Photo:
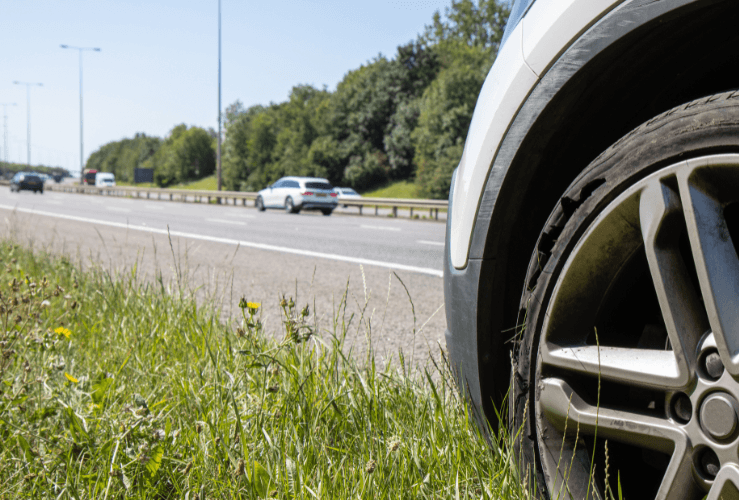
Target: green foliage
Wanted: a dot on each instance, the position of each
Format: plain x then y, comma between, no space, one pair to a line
10,169
122,157
185,155
391,119
113,388
446,112
400,118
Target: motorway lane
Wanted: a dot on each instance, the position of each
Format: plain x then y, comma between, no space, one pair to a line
405,244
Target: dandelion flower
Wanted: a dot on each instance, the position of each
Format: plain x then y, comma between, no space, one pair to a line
63,331
253,305
70,378
45,304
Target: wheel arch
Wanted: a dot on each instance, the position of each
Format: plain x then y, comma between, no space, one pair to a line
636,63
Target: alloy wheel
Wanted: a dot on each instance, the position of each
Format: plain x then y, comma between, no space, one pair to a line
640,342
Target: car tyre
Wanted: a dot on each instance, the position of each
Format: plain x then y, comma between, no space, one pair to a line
616,332
259,203
290,206
327,211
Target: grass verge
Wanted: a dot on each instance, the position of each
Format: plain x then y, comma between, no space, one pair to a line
112,388
400,190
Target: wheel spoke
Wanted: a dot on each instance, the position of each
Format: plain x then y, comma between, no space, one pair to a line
716,263
561,403
726,484
661,218
640,367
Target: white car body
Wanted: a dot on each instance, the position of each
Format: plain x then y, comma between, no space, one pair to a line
545,31
344,193
302,193
104,179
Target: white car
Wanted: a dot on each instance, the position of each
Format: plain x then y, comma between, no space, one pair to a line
104,179
294,194
591,264
345,193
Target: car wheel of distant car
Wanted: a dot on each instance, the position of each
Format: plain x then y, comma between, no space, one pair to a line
326,211
290,207
259,204
631,332
41,191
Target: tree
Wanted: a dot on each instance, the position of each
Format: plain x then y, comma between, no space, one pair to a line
445,114
185,155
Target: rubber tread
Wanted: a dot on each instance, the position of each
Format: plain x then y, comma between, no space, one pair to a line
709,125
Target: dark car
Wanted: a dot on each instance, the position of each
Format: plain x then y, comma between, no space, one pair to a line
30,182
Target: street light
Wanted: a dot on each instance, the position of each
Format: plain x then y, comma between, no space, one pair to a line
28,114
82,153
218,166
5,129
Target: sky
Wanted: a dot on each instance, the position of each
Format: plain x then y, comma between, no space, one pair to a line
158,63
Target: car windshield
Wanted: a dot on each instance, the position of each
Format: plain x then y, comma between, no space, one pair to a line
348,191
319,185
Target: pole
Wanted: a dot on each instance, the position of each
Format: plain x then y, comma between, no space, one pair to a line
28,114
219,99
5,130
82,148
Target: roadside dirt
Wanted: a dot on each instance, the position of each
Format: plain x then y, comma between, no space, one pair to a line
378,308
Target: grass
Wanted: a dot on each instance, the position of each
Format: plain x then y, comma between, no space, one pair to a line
209,183
114,388
400,189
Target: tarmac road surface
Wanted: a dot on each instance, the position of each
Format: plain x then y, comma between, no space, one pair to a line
225,252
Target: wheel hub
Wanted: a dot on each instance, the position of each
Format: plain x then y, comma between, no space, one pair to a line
718,415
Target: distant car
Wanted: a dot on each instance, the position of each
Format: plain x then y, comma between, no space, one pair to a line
344,193
27,181
104,179
294,194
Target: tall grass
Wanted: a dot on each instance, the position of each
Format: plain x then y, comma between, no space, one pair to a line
112,388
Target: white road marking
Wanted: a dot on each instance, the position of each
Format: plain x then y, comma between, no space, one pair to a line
224,221
228,241
381,228
241,216
426,242
118,209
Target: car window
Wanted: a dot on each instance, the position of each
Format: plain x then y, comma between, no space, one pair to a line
318,185
292,184
278,184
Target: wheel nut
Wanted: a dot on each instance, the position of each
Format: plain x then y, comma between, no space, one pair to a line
710,463
713,365
682,408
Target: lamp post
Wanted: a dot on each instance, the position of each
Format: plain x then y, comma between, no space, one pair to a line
82,152
218,165
28,114
5,129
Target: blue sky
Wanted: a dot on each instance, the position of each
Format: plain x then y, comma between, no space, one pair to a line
158,64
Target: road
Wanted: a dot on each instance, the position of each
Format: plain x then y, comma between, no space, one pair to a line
413,245
224,252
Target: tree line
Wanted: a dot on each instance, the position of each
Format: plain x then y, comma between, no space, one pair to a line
398,118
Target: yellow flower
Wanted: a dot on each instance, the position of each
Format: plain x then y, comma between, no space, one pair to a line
253,305
70,378
63,331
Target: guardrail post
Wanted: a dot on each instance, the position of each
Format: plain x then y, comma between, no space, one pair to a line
360,209
170,196
376,209
437,214
395,211
411,212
